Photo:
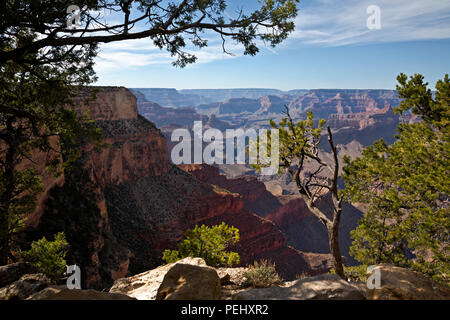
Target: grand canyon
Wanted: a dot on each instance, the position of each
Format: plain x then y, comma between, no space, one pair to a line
132,203
224,150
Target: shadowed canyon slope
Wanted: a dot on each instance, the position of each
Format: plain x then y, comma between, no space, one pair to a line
122,205
290,214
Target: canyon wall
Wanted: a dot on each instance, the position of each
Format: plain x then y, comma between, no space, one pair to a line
253,192
302,230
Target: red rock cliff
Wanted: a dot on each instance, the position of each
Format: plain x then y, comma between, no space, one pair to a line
253,192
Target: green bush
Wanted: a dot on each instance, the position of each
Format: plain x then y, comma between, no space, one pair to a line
261,275
405,186
48,256
209,243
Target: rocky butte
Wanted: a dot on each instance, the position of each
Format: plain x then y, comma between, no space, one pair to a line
121,206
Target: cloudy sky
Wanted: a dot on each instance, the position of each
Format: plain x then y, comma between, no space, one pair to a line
332,47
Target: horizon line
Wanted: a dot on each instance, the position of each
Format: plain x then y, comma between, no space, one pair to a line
252,88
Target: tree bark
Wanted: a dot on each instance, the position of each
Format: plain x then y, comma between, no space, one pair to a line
333,228
333,236
4,241
7,195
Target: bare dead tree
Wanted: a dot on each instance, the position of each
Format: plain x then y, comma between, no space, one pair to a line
299,146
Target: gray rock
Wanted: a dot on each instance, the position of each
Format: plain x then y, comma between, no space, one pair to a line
63,293
24,287
144,286
189,282
12,272
404,284
322,287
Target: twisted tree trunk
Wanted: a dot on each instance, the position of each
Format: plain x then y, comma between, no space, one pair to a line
333,236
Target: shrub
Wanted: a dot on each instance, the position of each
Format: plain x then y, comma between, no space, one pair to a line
48,256
261,275
209,243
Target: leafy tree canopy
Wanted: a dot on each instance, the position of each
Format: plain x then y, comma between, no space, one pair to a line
209,243
169,24
406,186
48,256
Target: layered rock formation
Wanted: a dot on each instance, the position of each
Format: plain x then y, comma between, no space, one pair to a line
171,97
300,227
225,94
253,192
76,204
326,102
193,97
164,207
322,102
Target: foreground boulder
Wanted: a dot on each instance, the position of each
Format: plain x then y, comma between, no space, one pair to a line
12,272
144,286
322,287
189,282
404,284
63,293
27,285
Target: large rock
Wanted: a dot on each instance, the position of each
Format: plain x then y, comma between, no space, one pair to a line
144,286
24,287
12,272
403,284
323,287
63,293
189,282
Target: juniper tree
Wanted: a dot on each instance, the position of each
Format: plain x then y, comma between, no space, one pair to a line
407,186
210,243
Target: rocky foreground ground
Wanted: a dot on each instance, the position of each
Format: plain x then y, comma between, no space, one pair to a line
192,279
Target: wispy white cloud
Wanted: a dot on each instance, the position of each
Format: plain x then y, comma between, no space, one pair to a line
319,23
337,23
142,52
108,60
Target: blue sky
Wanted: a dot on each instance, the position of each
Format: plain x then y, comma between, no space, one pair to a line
330,48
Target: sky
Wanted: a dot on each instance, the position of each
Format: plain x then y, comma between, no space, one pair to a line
331,47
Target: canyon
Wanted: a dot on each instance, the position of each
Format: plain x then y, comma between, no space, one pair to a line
357,119
122,205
